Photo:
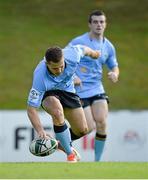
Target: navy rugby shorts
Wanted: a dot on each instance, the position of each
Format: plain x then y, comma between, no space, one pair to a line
89,101
67,99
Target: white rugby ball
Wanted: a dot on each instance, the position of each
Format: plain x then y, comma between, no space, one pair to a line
43,147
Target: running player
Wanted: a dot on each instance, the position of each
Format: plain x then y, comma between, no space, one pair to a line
88,79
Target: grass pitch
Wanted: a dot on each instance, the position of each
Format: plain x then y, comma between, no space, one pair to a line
82,170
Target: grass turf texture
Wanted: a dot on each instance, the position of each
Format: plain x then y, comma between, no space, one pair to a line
84,170
29,27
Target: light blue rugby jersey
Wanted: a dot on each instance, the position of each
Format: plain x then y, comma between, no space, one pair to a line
44,81
90,71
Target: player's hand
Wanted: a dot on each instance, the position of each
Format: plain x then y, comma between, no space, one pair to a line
43,134
77,81
92,53
96,54
113,76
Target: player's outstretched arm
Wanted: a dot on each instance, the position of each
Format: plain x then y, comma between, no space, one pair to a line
92,53
35,121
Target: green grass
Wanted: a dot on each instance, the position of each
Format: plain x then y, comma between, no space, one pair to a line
29,27
87,170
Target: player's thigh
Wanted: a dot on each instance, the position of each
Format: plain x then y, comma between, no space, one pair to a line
77,120
89,118
100,110
53,106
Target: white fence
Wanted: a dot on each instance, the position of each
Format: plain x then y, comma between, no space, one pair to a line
127,138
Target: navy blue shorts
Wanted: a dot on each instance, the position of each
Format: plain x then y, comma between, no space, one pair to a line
67,99
89,101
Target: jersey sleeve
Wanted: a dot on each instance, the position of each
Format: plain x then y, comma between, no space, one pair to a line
75,53
37,91
79,50
112,59
74,42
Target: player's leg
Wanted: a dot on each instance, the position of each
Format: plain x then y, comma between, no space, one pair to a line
76,127
89,118
100,112
53,106
77,120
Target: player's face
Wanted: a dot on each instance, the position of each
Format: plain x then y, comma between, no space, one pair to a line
56,68
97,25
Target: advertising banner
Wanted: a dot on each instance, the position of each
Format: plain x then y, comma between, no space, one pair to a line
127,138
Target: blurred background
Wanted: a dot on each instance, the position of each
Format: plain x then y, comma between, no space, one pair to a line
28,28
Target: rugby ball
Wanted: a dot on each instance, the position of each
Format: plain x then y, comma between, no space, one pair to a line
43,147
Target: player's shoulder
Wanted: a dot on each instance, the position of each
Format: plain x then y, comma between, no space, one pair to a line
72,49
73,52
108,43
79,39
41,67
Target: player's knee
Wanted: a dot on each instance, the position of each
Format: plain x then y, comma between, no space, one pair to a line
91,127
57,113
90,130
84,131
77,134
101,125
57,116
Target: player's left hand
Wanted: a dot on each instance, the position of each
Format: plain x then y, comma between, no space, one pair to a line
77,81
113,76
96,54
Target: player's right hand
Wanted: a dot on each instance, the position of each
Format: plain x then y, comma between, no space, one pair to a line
96,54
43,134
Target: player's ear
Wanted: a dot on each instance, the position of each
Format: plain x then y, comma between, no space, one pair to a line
89,24
105,24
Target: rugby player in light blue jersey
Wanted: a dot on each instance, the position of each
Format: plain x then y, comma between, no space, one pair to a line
53,89
88,79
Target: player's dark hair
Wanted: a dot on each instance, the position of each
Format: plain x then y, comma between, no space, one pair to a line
53,54
95,13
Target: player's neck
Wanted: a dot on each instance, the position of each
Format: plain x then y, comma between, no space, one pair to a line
95,36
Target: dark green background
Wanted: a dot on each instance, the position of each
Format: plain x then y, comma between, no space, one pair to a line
28,27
